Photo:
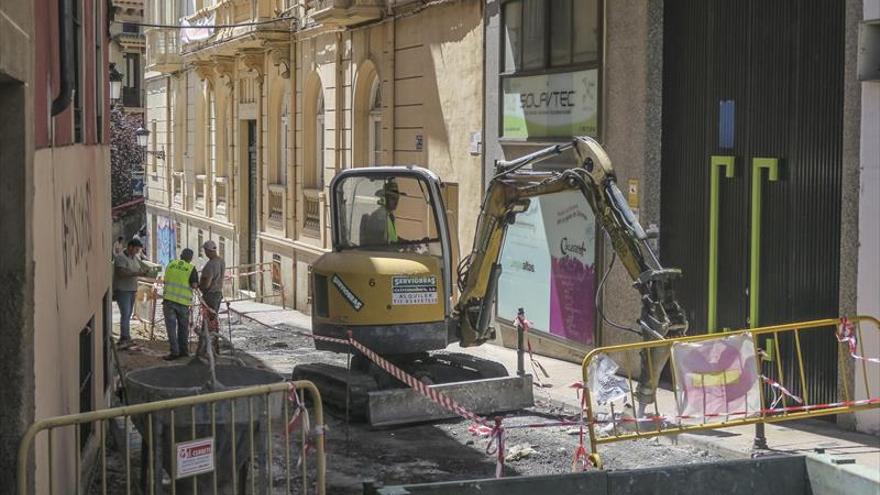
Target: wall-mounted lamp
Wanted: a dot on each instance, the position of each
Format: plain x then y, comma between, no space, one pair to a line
115,84
142,136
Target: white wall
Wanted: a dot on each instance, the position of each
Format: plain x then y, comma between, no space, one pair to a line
869,234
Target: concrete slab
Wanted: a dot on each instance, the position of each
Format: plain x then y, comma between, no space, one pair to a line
771,476
492,395
592,483
829,478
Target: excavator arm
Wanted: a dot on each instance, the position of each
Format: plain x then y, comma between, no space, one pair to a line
509,194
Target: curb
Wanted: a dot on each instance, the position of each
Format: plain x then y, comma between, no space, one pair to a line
828,475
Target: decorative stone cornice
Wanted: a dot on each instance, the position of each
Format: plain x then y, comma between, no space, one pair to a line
205,70
279,53
224,68
253,59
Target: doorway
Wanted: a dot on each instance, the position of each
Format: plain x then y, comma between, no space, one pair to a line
752,131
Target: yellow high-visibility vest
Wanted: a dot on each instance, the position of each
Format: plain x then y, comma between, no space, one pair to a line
177,288
390,227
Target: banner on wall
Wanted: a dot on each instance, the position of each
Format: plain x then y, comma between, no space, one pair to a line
548,267
166,240
551,105
199,30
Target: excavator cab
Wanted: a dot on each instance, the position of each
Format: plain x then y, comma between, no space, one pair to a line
388,279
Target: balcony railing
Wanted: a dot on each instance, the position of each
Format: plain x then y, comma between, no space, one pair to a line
276,206
177,188
221,198
313,205
163,50
131,97
201,192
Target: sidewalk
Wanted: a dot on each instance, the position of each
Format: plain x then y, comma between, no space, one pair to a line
848,450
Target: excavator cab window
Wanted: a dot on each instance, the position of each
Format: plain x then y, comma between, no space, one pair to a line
391,209
386,213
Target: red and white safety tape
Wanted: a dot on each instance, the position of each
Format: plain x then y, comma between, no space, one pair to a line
846,333
784,392
481,425
244,274
521,322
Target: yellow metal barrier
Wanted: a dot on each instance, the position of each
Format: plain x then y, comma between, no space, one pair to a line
792,392
195,460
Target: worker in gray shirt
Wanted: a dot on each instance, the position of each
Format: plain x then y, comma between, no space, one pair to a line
127,268
211,282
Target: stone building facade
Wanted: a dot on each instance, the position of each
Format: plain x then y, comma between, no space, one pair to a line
258,116
55,270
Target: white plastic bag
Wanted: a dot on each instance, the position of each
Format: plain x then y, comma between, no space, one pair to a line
602,380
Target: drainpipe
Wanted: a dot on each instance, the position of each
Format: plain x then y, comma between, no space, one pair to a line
65,53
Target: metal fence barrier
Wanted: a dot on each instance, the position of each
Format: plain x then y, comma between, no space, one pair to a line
259,282
233,441
722,380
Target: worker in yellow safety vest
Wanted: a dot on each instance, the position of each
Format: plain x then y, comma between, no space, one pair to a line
181,277
379,228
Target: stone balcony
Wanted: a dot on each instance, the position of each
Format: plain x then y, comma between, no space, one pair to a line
237,19
163,50
346,12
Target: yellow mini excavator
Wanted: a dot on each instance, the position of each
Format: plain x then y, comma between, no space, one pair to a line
388,281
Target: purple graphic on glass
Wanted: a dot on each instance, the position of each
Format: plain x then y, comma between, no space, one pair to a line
572,290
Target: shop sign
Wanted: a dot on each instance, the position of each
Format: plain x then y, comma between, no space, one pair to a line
551,105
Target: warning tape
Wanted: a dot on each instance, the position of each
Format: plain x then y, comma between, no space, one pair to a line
785,393
245,274
764,412
521,322
482,425
301,419
414,383
846,333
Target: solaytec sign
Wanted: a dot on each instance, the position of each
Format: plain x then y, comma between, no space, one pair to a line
551,105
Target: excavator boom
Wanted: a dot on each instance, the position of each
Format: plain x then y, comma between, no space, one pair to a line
509,193
387,283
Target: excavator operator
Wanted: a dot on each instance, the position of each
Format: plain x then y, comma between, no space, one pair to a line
380,226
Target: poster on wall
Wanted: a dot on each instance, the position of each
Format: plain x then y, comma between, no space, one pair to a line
548,264
166,240
525,270
551,105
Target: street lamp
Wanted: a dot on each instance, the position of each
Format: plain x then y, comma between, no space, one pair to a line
142,134
115,84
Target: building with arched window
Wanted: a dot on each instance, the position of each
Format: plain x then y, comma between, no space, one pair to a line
255,124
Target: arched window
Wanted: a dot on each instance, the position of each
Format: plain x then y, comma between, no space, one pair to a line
313,133
375,122
319,142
